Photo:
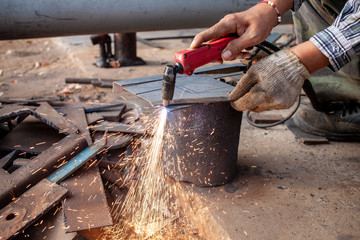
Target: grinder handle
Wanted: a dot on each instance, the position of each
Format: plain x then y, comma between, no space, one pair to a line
190,59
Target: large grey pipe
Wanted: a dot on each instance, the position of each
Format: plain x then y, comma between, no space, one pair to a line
49,18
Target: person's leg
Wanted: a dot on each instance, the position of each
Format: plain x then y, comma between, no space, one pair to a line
342,86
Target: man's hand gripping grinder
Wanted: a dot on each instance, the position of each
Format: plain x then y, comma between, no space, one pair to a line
187,61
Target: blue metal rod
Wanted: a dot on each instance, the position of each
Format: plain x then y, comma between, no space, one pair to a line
76,162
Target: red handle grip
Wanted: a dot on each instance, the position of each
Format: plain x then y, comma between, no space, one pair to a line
190,59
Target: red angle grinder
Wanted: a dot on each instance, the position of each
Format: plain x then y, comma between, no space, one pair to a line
188,60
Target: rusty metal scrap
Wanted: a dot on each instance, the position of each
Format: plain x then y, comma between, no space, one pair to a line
93,118
16,215
24,170
14,184
87,207
6,159
51,117
78,195
53,227
135,128
108,107
116,140
112,177
44,113
130,116
30,136
9,112
22,212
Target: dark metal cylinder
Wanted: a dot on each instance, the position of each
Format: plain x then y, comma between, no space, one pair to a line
201,143
125,45
125,49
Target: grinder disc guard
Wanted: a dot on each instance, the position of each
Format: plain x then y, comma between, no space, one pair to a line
201,143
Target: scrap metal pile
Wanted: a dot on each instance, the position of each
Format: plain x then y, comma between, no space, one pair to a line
42,145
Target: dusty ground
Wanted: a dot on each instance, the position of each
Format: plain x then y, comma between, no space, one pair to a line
284,189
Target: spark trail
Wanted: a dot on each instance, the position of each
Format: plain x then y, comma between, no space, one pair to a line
150,205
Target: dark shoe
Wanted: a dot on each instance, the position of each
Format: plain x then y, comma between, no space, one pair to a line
340,125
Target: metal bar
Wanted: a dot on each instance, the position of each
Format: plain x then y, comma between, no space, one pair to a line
104,108
134,128
6,159
49,18
78,161
29,207
40,167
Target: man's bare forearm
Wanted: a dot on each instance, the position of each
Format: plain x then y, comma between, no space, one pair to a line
310,56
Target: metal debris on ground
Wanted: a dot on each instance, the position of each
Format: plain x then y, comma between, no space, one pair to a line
25,165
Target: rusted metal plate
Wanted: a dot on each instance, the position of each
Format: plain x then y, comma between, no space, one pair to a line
40,167
44,113
112,176
19,162
50,226
93,118
51,117
25,210
74,112
11,111
8,157
48,189
116,140
86,207
31,135
135,128
112,116
120,107
130,116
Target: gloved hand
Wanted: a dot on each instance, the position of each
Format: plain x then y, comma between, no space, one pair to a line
272,83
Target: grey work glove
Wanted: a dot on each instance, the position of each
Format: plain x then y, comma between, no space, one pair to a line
272,83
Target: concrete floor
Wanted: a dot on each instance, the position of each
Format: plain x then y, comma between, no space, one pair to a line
283,190
288,190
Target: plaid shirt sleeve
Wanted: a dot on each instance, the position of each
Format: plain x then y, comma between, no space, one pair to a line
340,42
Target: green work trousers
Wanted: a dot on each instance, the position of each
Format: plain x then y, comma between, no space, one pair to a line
343,85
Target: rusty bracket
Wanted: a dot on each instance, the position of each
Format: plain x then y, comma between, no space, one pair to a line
44,195
44,112
135,128
15,183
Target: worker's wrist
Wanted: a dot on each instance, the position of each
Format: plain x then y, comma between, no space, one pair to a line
273,6
310,56
269,15
283,5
